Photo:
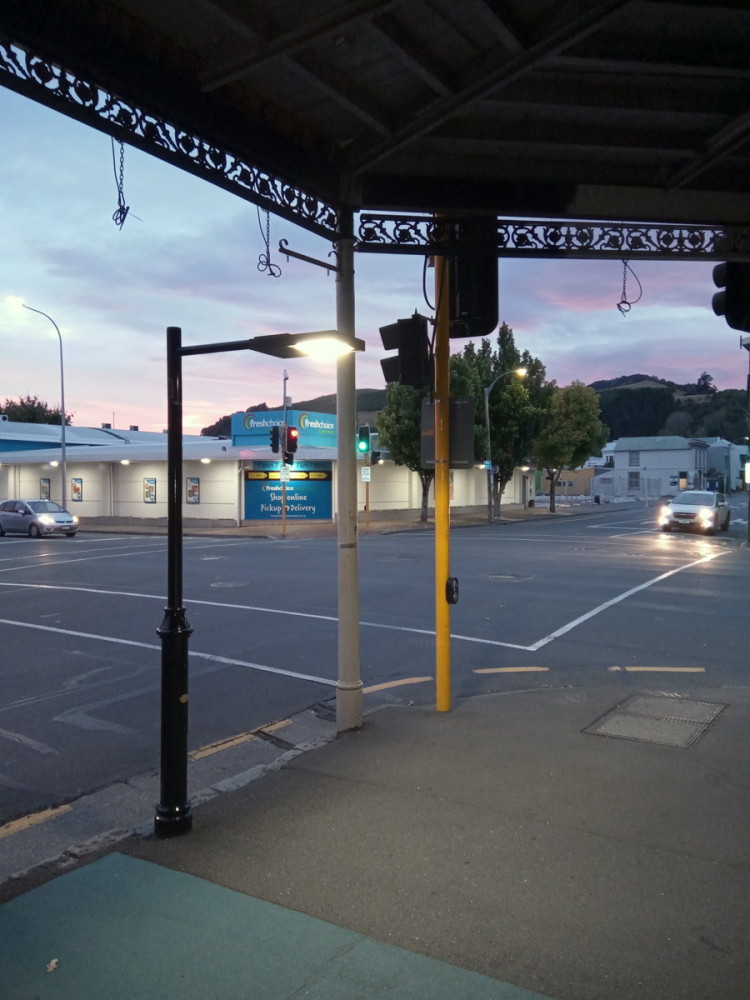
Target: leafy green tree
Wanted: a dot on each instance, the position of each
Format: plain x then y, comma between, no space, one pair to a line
516,405
32,410
399,427
636,412
571,434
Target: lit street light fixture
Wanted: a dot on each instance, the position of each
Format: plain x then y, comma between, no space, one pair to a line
62,400
521,372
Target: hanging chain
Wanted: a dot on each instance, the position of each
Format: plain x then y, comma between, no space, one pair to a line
624,305
121,213
264,259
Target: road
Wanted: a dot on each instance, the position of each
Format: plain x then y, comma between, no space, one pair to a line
550,601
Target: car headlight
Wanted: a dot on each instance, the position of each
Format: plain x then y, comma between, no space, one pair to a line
707,517
75,520
665,512
46,519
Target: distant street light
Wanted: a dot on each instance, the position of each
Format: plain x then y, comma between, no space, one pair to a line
62,400
521,372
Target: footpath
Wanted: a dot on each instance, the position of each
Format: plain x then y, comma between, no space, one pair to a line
558,842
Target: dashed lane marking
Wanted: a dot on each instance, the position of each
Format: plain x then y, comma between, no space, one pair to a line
234,741
659,670
511,670
393,684
33,819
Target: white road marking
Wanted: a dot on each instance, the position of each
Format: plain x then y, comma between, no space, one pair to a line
333,618
27,742
211,657
616,600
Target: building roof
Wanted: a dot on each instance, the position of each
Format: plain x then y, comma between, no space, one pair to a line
615,109
666,442
24,444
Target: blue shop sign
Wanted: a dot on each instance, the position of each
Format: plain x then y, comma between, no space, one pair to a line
308,494
316,430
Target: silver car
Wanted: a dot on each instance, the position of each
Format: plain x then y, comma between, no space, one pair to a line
701,510
36,518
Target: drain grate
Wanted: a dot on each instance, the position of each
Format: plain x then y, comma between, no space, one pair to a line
665,719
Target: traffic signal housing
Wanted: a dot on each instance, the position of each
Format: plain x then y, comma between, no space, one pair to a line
474,291
732,301
275,437
290,445
363,439
412,364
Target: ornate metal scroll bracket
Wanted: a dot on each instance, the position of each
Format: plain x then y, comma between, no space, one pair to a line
286,252
58,88
424,235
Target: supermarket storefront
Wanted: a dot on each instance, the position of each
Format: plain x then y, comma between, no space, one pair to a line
307,495
305,488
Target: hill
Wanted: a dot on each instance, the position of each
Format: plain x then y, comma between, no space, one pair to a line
367,401
644,406
635,381
631,406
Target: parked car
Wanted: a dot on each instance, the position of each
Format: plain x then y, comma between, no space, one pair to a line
36,518
701,510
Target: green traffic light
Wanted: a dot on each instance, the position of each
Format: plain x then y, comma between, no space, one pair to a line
361,445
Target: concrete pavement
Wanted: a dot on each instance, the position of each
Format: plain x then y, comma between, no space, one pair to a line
574,844
566,843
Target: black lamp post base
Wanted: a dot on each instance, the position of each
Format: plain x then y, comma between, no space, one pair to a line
172,822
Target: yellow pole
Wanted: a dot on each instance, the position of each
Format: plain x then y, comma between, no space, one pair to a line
367,497
442,486
283,466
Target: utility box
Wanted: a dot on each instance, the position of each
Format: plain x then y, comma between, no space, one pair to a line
461,433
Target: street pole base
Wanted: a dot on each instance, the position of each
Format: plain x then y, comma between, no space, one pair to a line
172,822
348,706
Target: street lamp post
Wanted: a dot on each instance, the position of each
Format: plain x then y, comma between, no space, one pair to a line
521,372
745,342
173,815
62,400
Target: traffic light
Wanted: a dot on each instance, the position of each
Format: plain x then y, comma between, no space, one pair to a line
409,338
474,292
363,439
275,436
290,446
733,299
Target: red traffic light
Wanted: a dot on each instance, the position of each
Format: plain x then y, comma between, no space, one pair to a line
292,435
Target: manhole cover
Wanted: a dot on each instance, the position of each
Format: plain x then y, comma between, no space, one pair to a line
668,720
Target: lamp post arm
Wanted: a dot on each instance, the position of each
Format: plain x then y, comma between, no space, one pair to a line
487,391
62,403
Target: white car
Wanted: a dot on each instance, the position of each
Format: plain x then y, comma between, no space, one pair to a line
699,510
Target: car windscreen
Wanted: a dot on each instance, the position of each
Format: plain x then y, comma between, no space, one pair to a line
45,507
694,499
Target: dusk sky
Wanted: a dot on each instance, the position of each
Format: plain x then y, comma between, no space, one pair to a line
190,259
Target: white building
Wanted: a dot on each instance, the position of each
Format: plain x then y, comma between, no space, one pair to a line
652,467
120,477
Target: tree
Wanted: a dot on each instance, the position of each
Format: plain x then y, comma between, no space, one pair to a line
636,412
32,410
705,384
399,427
516,405
572,433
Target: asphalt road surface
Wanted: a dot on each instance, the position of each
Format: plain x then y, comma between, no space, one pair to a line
552,601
